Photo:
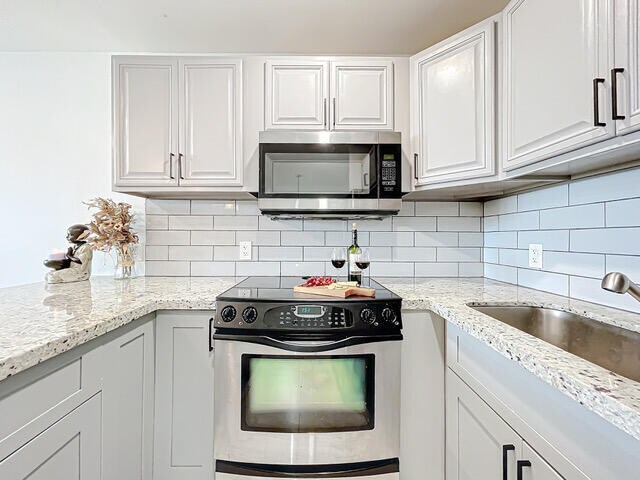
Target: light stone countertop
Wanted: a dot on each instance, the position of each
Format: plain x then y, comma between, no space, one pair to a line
39,322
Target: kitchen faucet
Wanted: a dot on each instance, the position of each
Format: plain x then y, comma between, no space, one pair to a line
619,283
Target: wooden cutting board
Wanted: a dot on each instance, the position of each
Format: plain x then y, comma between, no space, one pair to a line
336,292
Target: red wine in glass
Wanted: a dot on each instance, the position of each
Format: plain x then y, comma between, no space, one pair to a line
363,264
338,263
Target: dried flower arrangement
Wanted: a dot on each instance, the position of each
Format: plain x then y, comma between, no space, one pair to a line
111,228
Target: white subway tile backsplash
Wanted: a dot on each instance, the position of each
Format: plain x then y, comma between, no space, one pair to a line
471,209
156,252
157,222
213,207
239,222
380,254
190,252
392,269
470,239
502,273
623,213
491,224
438,209
167,269
545,281
501,239
550,197
267,269
581,216
168,237
291,254
296,269
413,224
167,207
391,239
247,207
213,269
625,264
513,258
549,239
459,224
582,264
258,237
191,222
267,223
213,237
623,241
589,289
344,239
604,188
324,225
383,225
408,209
436,239
459,254
501,206
319,254
490,255
519,221
303,238
436,269
471,269
414,254
231,253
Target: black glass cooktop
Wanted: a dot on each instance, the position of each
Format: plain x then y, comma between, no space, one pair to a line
274,289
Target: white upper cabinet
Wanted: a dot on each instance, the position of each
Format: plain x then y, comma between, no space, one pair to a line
210,101
625,78
296,94
557,57
321,95
362,95
177,122
145,104
453,106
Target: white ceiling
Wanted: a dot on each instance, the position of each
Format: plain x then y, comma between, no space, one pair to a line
247,26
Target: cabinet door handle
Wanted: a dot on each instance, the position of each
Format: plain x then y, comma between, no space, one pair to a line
596,103
505,460
210,334
334,112
324,113
521,465
614,93
415,166
171,155
180,166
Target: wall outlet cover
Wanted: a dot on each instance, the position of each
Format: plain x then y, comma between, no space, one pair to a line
535,255
245,250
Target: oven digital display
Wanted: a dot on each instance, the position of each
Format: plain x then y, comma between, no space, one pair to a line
309,310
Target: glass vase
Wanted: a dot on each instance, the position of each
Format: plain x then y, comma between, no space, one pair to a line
125,262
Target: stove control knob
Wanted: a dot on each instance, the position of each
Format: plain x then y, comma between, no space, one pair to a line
368,316
389,316
250,315
228,313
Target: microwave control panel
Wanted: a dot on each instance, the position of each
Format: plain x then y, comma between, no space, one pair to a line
390,171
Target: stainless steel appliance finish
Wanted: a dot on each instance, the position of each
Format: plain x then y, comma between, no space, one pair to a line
306,386
330,174
611,347
619,283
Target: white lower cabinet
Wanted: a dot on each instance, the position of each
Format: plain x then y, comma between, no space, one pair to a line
128,405
184,397
534,467
69,449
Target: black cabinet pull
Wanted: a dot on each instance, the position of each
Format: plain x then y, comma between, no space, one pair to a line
614,93
210,334
521,465
171,155
596,103
415,166
505,460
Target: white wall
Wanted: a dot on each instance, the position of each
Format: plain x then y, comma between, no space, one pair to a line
55,153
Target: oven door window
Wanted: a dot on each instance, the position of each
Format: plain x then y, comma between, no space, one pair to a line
318,170
307,394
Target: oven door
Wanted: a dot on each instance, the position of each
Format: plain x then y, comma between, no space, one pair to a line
279,402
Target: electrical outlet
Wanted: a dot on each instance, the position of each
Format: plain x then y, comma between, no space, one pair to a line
245,250
535,255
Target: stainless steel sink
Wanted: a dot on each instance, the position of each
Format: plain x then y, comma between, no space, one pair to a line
613,348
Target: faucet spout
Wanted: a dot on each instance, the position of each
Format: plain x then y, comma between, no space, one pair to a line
619,283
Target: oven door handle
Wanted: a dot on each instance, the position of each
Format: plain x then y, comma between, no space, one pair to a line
306,346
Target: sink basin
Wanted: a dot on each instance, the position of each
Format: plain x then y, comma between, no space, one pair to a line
611,347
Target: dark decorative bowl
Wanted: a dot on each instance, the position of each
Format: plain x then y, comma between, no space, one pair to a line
57,264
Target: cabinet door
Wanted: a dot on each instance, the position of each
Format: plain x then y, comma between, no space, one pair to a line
70,448
553,52
210,121
627,57
128,405
362,95
539,468
479,444
184,397
453,98
145,113
296,95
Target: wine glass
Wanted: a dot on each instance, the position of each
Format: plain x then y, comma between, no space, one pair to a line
363,260
338,257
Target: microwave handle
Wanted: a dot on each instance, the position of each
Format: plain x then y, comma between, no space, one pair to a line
306,346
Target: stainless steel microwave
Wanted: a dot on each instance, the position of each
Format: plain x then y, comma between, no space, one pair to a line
330,174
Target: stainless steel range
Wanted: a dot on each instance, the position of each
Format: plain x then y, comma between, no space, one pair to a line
306,386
